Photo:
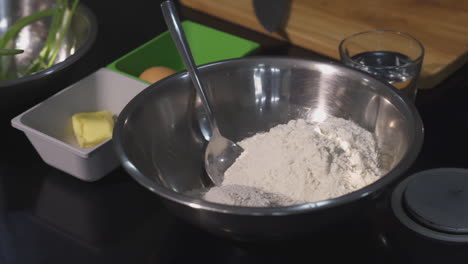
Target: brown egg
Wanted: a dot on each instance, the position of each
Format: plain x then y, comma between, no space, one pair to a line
156,73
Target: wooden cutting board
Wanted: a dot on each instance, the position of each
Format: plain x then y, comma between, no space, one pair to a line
320,25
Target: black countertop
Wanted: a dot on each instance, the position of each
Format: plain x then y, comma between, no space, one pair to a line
47,216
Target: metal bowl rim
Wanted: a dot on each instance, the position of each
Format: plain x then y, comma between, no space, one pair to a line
89,15
416,136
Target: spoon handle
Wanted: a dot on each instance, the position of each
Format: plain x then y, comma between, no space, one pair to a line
175,28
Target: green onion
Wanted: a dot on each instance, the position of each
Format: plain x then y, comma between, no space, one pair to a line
21,23
10,51
10,34
62,31
62,15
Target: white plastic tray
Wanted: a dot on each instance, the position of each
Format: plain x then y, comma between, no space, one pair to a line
48,125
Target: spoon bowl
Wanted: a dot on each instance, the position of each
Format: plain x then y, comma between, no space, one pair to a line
220,154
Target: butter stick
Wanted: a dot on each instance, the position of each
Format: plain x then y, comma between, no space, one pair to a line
92,128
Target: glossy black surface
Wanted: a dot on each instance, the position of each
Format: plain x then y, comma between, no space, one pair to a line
47,216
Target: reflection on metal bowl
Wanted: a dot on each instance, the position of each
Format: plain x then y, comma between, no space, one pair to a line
159,142
79,39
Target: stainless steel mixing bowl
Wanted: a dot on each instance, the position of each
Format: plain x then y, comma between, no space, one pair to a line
31,39
158,139
21,93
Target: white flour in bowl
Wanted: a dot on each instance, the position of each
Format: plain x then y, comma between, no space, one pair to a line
300,162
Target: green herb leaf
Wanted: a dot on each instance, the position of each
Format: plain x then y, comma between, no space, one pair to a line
21,23
10,51
62,14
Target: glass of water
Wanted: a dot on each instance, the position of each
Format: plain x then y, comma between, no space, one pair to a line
392,56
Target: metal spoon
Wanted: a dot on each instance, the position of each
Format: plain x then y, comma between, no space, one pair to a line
220,152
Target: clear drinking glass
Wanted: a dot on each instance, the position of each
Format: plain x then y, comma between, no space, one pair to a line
392,56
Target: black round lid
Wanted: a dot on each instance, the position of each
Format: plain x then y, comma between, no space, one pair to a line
438,199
